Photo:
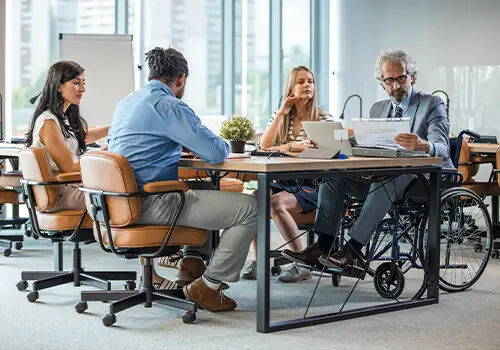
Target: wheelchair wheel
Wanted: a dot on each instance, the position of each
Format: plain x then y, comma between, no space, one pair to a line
389,280
465,221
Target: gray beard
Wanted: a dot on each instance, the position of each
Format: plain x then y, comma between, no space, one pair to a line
397,99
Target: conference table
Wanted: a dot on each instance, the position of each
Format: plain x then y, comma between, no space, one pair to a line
286,168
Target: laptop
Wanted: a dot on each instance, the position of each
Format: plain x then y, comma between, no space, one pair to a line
323,135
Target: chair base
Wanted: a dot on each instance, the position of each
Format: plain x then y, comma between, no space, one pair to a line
6,241
128,299
77,275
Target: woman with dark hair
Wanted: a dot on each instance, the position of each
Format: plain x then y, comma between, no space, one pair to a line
58,127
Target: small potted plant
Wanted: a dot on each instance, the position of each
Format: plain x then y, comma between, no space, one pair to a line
238,130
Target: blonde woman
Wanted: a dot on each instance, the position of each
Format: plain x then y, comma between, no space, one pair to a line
284,132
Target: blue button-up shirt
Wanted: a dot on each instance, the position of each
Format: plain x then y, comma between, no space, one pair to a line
149,128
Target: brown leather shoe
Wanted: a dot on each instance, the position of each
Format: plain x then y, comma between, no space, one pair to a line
308,256
189,270
208,298
340,259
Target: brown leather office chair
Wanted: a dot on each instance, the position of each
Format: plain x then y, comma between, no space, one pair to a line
468,166
113,201
39,187
10,187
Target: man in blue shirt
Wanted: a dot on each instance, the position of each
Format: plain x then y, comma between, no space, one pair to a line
149,128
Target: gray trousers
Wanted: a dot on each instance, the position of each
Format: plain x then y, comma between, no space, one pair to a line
379,199
234,213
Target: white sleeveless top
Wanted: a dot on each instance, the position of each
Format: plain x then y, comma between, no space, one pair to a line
70,142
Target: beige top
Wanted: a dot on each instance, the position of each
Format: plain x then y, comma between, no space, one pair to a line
70,142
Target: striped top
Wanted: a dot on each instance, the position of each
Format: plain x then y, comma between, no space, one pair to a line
300,137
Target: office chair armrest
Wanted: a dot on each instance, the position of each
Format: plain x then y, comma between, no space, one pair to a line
69,177
165,186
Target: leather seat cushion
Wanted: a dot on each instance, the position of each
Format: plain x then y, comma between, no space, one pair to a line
480,187
64,220
142,236
231,185
8,196
10,179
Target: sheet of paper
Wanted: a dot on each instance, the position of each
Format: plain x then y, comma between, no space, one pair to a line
379,132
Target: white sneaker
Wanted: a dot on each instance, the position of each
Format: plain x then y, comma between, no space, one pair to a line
294,274
249,270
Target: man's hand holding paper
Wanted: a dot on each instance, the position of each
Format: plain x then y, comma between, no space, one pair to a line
412,142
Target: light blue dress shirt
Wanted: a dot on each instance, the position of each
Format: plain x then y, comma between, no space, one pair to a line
149,128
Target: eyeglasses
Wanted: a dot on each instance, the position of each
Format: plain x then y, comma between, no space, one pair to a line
401,80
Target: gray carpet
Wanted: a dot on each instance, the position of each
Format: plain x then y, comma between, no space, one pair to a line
468,320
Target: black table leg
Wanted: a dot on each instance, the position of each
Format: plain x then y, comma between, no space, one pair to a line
263,251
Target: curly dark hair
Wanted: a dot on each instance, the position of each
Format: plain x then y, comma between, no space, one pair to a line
166,64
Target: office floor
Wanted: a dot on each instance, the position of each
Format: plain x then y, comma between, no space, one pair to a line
468,320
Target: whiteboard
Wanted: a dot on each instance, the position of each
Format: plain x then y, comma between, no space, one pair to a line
109,71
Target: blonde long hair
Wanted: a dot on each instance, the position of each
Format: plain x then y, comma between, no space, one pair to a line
313,111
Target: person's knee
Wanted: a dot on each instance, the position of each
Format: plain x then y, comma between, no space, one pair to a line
278,205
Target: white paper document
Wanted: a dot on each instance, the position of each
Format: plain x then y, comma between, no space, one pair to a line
379,132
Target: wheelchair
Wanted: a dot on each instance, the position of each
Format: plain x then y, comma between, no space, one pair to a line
400,240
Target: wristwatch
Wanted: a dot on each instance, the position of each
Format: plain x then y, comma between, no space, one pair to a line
291,147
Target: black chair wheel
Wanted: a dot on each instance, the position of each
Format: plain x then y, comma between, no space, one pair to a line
18,245
188,317
7,252
129,285
389,280
109,320
22,285
336,279
32,296
496,254
81,306
275,270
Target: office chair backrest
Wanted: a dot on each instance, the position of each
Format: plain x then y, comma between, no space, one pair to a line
35,166
111,172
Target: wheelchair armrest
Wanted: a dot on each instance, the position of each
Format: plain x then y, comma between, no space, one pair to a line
451,171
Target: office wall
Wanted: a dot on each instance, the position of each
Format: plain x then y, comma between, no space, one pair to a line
455,43
2,58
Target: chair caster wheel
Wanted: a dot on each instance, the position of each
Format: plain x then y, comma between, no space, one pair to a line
22,285
81,306
129,285
18,245
32,296
7,252
336,279
275,270
188,317
109,320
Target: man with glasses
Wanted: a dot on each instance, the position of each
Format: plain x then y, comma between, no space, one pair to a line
396,72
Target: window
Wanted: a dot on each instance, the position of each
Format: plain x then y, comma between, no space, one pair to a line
34,44
252,61
193,27
296,31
